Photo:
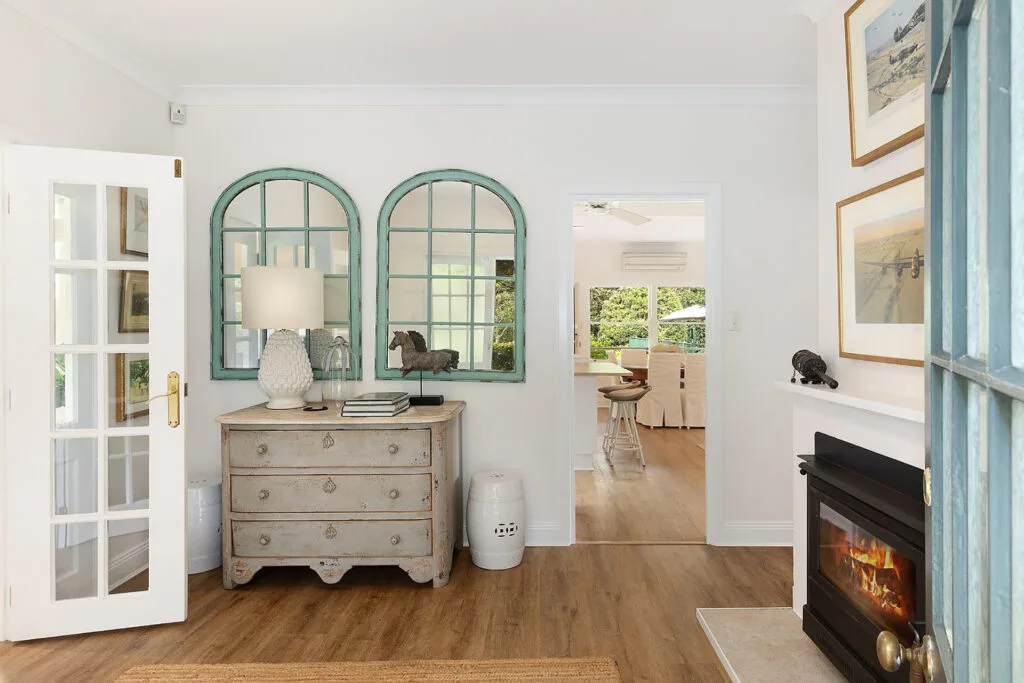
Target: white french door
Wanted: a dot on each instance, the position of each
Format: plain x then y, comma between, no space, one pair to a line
94,333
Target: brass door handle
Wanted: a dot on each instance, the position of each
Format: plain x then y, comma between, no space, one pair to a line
923,656
173,399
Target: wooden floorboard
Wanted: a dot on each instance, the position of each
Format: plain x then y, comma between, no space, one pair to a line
634,603
663,503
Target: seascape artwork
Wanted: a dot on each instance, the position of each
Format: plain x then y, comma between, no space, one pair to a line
889,260
895,53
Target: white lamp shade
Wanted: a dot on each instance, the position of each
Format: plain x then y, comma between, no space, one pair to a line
282,298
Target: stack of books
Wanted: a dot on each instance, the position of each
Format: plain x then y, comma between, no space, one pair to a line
378,404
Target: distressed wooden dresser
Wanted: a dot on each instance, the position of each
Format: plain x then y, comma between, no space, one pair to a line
329,492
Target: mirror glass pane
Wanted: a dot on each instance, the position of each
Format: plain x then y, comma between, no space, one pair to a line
286,248
328,251
232,299
75,466
452,205
336,299
411,210
241,347
74,307
395,355
75,390
127,223
74,222
75,554
241,249
285,204
129,381
320,342
451,301
451,248
492,213
128,555
494,348
128,472
244,209
496,254
128,306
407,253
454,337
324,210
407,299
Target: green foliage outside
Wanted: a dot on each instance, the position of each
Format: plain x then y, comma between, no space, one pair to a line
503,357
618,314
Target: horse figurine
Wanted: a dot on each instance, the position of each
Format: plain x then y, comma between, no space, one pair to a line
415,355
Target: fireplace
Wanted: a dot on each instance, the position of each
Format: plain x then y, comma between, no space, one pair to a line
865,554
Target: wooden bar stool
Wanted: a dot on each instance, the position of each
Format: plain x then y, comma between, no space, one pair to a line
622,431
611,411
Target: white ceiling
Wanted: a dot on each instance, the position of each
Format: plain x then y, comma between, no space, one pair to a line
446,42
670,222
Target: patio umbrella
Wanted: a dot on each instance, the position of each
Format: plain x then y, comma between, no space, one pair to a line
688,313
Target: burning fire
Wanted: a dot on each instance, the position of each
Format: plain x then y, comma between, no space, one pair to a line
874,572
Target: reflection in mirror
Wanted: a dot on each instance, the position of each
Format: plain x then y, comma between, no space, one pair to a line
407,253
285,203
241,249
244,209
450,300
452,205
328,251
494,348
74,222
128,375
336,299
75,565
320,342
241,347
128,472
411,210
128,555
494,253
492,213
324,210
74,476
232,299
407,299
127,223
452,247
286,248
451,337
75,390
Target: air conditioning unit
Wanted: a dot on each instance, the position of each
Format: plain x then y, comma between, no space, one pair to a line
654,260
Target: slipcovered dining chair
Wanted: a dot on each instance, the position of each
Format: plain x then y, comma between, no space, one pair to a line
663,407
633,357
694,395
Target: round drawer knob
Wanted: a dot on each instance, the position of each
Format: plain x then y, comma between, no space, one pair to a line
393,449
263,494
261,449
264,539
393,493
396,539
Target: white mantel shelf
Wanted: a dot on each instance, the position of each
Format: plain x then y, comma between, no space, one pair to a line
893,406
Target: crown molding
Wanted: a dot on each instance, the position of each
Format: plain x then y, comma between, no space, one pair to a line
554,95
127,65
812,9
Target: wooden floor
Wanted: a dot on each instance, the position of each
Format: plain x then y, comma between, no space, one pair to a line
634,603
662,504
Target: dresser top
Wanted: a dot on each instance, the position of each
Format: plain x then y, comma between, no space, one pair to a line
416,415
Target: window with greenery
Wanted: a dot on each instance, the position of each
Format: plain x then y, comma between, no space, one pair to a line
290,218
450,266
629,317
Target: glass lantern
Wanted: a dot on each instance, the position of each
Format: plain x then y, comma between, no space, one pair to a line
337,366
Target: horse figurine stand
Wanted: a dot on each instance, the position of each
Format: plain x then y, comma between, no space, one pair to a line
416,356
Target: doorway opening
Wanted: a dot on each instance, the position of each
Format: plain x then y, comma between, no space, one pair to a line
639,320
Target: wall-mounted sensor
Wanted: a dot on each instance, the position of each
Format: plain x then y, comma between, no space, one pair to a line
178,113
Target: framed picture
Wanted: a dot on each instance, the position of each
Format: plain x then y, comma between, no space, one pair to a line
135,221
131,385
885,73
881,251
134,301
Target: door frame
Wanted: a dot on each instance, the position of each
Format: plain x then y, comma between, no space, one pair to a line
711,193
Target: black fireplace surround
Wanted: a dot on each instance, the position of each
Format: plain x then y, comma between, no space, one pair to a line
865,554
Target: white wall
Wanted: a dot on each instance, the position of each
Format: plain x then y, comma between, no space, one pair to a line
837,180
763,157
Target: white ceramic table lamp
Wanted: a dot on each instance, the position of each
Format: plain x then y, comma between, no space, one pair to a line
284,300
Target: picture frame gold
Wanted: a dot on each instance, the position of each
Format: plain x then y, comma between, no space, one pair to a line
875,132
134,221
131,386
887,313
134,312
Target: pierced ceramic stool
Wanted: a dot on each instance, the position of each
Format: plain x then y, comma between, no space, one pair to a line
622,434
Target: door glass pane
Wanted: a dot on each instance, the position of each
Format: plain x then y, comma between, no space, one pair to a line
128,472
336,299
241,249
241,347
977,167
75,554
452,205
492,213
129,381
328,251
286,249
128,307
407,253
74,306
75,390
977,524
127,223
324,210
407,299
128,555
285,204
74,222
74,476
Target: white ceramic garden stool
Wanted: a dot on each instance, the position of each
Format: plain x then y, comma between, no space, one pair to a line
204,549
496,520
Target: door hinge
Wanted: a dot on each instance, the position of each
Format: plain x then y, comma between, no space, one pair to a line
927,486
177,168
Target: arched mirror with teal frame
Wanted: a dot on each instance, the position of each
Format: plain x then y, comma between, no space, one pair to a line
282,217
451,263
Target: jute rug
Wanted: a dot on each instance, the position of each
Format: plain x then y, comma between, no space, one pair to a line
591,670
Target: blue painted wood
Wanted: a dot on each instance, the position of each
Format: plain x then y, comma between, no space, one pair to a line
383,278
1000,539
217,230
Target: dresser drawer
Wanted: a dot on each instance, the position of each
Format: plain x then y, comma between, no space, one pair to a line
332,539
336,493
336,448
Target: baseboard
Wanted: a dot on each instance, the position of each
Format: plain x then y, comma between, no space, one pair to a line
584,462
128,564
755,533
546,535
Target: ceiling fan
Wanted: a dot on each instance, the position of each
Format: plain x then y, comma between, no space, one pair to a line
613,209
